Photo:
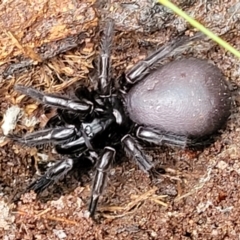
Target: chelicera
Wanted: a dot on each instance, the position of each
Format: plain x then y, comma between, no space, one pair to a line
182,103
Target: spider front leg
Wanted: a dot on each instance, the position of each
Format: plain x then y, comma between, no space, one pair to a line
100,179
55,136
53,174
81,107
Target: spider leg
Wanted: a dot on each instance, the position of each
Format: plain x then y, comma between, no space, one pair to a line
140,70
133,149
53,174
73,146
157,137
104,78
87,133
56,136
100,178
56,101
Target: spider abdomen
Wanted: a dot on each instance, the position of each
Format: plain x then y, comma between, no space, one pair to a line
188,97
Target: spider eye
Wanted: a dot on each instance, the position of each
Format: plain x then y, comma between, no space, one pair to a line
88,129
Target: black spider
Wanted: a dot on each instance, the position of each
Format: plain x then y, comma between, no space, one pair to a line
183,103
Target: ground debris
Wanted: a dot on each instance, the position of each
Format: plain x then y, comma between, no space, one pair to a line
38,30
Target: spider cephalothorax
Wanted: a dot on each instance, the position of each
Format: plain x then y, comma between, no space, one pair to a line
180,103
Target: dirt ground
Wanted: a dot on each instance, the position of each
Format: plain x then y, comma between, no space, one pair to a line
198,198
